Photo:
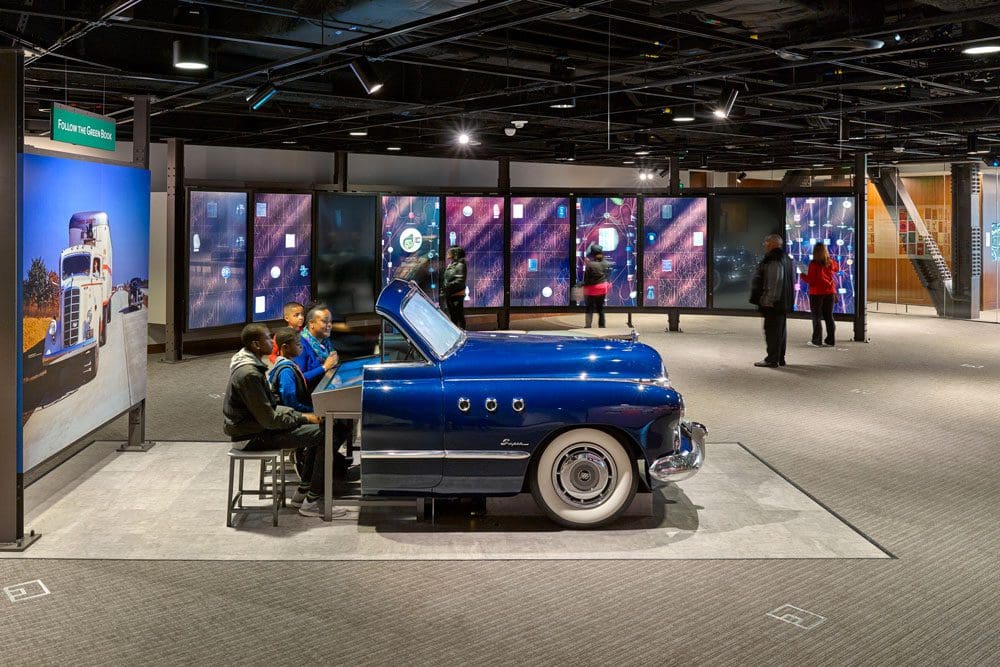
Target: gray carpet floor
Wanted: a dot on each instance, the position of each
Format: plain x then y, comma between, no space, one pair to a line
898,436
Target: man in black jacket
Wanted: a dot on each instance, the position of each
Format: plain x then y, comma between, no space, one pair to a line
455,276
773,291
252,415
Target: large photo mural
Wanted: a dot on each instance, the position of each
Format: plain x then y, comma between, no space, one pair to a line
84,297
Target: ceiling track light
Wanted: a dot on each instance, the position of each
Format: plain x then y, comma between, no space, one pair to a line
973,145
727,100
568,93
363,69
684,114
261,96
740,177
191,51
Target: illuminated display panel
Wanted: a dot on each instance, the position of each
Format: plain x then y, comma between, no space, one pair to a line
611,223
409,243
675,259
476,224
345,251
217,259
539,243
282,252
809,220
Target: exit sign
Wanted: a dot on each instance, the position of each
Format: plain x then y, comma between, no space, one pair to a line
75,126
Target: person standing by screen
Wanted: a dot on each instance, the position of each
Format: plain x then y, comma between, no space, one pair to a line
773,292
455,277
595,284
822,291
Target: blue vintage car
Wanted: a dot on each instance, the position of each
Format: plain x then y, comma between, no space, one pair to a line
582,423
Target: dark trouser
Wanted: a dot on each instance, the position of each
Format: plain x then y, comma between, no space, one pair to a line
595,303
821,306
775,333
307,440
456,309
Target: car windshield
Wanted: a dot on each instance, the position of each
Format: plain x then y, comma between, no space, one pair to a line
431,324
76,265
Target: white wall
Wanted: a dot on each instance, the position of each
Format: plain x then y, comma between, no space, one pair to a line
536,175
405,171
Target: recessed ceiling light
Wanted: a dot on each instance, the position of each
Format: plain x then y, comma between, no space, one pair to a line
463,138
628,161
358,133
641,153
394,148
684,114
289,142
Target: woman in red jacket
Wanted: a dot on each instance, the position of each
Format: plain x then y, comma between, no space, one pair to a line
822,291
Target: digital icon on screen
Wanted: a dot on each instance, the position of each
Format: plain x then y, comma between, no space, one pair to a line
467,211
289,240
517,211
212,209
667,211
226,273
496,211
650,293
532,264
562,211
667,265
453,237
275,272
410,240
607,237
261,209
196,243
547,292
260,304
698,239
303,270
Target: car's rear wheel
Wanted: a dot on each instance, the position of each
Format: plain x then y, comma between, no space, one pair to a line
584,478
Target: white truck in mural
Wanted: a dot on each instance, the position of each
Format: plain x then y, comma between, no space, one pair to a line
85,300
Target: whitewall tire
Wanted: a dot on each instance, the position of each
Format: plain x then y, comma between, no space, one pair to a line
584,478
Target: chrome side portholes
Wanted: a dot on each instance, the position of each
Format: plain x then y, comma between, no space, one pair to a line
464,404
518,404
491,404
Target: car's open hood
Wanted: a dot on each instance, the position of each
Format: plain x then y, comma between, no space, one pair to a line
527,355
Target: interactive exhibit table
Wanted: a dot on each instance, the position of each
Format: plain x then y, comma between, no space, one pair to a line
338,396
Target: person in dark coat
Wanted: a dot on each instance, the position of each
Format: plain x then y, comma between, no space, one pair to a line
595,284
254,418
455,277
773,291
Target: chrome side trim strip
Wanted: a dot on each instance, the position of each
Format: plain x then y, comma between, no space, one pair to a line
487,455
404,454
470,455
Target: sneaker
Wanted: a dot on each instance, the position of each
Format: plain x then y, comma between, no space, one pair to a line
830,344
298,498
813,343
766,364
315,508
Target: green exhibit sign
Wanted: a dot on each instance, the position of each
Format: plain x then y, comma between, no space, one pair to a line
75,126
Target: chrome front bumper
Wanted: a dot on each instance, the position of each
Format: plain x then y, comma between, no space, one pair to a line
687,460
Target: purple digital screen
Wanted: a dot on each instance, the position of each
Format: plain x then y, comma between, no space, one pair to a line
217,259
539,245
809,220
674,260
476,224
282,252
611,223
410,236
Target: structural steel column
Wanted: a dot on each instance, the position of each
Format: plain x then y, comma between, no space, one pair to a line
503,174
176,214
861,248
11,143
966,241
340,173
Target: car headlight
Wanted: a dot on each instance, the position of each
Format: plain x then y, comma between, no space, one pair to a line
663,381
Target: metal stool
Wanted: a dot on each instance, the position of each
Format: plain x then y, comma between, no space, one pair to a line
234,503
269,475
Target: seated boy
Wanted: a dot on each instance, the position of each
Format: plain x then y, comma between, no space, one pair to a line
295,317
253,415
289,385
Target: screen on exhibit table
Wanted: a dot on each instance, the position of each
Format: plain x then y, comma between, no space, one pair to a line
830,220
675,256
476,224
282,252
410,237
217,259
611,223
345,241
539,251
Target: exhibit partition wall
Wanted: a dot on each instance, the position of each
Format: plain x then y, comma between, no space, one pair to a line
477,225
675,252
739,224
991,245
539,251
282,252
346,233
410,241
828,220
610,222
217,259
85,277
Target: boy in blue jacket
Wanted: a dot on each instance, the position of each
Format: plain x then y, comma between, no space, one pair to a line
289,384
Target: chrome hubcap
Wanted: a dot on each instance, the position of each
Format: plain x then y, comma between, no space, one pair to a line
584,475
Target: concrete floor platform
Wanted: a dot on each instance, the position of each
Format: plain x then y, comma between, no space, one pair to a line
168,504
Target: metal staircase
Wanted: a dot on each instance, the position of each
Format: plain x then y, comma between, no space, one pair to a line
931,267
